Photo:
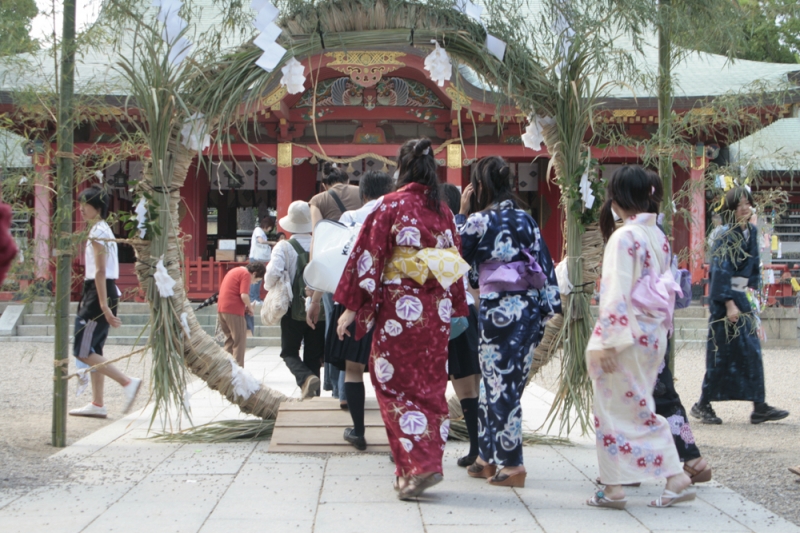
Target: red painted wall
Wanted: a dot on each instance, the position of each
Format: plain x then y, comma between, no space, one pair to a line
552,218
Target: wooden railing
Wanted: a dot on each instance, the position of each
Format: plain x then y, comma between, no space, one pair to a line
203,278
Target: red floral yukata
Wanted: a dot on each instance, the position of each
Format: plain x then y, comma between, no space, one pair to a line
408,361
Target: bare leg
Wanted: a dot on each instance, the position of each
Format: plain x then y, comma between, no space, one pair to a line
98,381
467,387
109,370
354,372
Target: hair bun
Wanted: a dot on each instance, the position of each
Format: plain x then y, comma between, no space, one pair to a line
328,167
423,147
505,172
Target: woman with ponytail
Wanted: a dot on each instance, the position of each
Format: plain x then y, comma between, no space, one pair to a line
403,281
518,293
626,348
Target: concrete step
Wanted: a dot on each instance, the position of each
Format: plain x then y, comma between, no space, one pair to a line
252,342
127,319
138,308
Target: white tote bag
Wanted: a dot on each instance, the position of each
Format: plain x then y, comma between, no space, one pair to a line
333,242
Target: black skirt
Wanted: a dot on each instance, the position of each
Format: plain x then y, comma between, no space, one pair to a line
338,352
462,352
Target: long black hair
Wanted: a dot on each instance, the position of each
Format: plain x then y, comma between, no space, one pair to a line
632,189
416,164
96,197
491,183
332,174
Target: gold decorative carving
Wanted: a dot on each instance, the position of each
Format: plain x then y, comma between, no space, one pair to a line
365,68
454,155
623,113
274,97
284,155
704,111
458,97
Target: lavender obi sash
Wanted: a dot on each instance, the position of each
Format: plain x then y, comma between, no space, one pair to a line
656,294
495,276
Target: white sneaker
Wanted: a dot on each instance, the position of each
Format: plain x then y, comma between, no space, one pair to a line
131,390
90,410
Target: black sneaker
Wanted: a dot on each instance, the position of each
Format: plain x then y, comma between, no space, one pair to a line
766,414
705,413
360,443
467,460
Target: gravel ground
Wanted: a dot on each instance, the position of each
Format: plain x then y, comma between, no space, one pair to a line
750,459
26,400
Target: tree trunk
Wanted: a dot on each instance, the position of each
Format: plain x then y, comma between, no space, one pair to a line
63,224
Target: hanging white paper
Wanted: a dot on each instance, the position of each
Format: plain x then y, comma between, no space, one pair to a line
173,27
163,280
271,57
167,8
468,8
244,384
586,191
265,15
179,51
437,63
141,216
533,136
185,325
194,134
268,36
562,276
293,78
496,46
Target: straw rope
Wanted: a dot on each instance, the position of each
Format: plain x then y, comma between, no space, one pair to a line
202,355
98,365
382,159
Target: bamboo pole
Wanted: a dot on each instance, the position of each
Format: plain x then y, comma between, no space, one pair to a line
665,127
63,223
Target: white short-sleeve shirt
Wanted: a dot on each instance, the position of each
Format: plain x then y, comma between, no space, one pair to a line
102,230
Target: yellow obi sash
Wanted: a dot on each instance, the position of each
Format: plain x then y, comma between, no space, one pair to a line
445,265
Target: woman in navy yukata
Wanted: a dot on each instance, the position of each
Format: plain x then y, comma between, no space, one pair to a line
514,272
734,369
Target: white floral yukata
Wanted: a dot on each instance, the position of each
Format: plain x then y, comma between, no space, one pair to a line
401,280
634,444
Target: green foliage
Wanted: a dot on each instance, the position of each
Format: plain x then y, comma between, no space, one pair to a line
770,31
15,25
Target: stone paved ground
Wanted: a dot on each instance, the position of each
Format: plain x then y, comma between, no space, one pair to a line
114,480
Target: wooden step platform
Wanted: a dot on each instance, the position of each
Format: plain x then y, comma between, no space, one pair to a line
317,426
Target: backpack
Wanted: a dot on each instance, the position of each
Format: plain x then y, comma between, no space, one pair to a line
299,284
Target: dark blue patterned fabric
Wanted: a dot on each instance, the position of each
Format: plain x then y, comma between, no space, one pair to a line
511,324
734,370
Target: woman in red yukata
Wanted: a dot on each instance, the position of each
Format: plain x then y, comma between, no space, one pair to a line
403,279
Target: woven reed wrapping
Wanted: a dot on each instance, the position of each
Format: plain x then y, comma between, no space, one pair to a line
203,356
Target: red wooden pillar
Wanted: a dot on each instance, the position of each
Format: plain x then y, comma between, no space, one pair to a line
43,213
194,195
697,230
455,172
285,180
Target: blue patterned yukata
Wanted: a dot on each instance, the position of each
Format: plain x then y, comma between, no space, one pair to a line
519,292
734,369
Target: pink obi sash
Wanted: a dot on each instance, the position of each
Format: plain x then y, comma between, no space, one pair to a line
495,276
657,293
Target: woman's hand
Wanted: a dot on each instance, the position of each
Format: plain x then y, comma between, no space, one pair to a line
733,311
113,321
345,320
466,200
607,359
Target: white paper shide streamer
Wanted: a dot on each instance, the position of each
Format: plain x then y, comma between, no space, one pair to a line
163,280
185,325
586,190
244,384
141,216
266,13
293,78
495,46
194,134
438,64
179,47
534,136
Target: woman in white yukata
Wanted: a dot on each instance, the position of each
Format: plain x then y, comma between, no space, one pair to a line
626,348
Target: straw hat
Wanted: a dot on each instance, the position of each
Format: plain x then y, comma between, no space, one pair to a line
298,220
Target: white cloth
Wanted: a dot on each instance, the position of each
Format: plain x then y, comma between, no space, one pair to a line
284,258
634,444
259,251
358,216
101,230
